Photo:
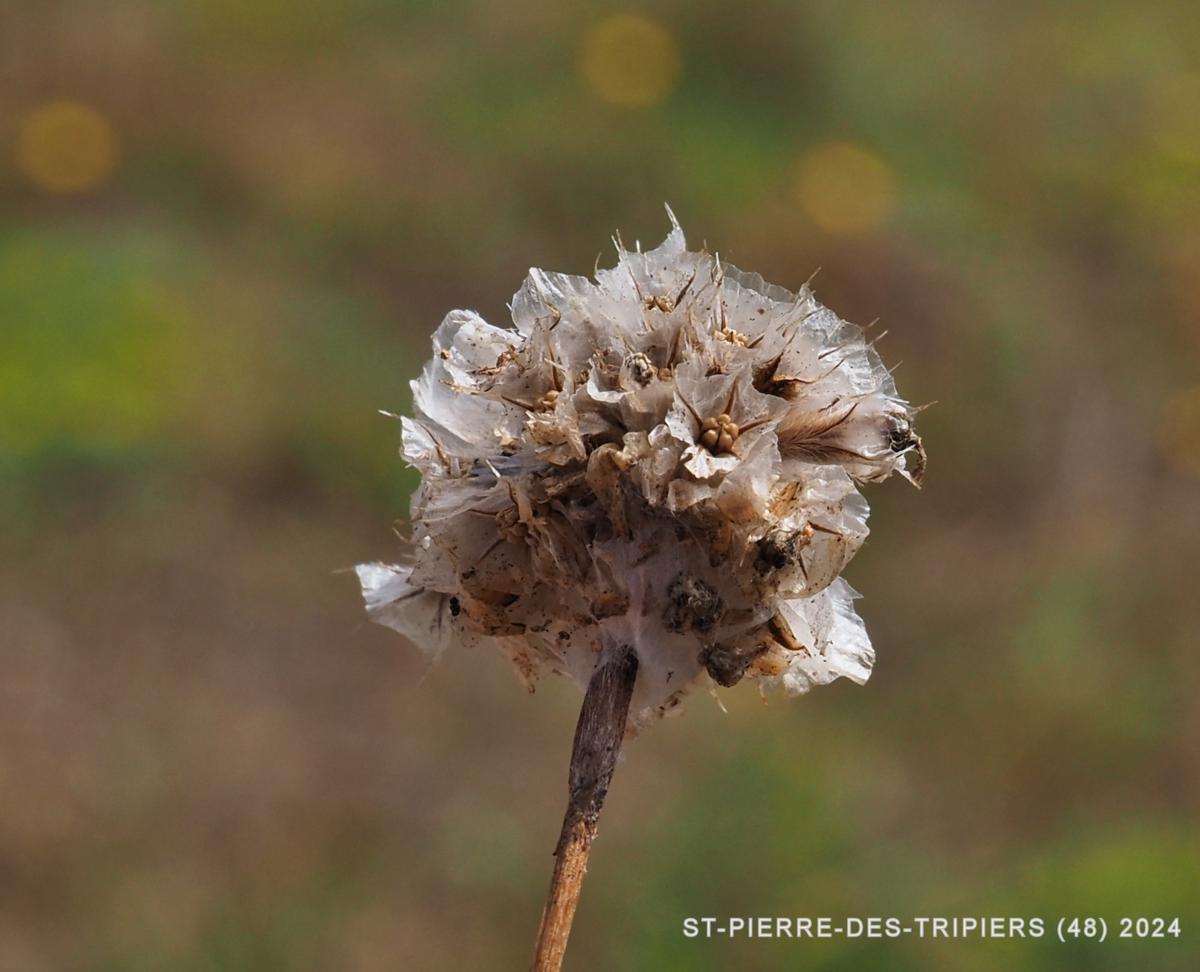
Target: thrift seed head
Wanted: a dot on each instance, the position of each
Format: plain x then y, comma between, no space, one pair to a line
667,457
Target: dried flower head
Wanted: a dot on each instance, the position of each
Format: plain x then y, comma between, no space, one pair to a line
666,458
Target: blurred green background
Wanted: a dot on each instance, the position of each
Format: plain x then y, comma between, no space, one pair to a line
227,228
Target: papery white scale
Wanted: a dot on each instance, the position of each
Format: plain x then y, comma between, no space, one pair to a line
666,458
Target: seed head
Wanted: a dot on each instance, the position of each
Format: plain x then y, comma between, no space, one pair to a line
667,457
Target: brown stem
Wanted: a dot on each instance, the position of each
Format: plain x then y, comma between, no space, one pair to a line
598,736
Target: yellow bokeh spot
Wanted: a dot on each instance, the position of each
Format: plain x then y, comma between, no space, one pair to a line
844,189
66,147
630,60
1179,431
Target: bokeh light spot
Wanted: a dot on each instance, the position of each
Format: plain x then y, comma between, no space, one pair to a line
630,60
66,147
844,189
1179,431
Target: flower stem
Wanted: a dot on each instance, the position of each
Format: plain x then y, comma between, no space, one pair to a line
598,736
